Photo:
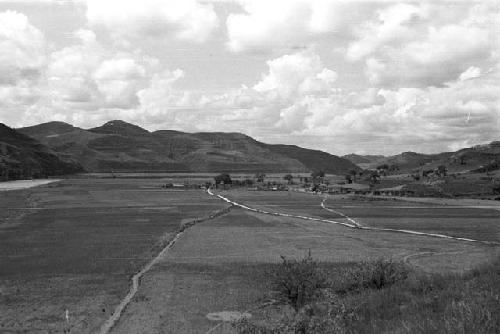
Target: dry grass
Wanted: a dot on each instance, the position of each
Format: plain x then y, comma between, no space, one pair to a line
407,302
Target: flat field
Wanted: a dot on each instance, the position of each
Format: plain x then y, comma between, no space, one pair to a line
73,245
453,220
221,265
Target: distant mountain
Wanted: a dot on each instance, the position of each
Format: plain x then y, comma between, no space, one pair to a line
466,159
121,146
315,160
363,159
24,157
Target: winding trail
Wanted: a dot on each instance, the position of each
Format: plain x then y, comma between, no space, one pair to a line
106,327
435,235
136,279
24,184
353,224
209,191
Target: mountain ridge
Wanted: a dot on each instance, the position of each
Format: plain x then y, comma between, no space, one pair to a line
22,156
121,146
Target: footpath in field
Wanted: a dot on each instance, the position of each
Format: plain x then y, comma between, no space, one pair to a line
220,266
24,184
69,249
353,224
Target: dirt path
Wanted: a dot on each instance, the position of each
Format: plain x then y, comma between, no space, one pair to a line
209,191
23,184
353,224
462,202
136,279
436,235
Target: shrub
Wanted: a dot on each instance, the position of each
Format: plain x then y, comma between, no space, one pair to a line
298,282
245,326
373,275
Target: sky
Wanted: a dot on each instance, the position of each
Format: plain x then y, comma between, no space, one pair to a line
362,77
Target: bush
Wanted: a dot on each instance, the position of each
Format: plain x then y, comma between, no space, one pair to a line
373,275
298,282
381,297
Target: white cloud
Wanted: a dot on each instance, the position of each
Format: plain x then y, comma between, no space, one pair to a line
471,73
419,46
184,19
22,49
22,62
265,25
119,79
301,73
70,70
393,23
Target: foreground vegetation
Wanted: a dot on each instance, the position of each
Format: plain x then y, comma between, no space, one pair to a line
377,297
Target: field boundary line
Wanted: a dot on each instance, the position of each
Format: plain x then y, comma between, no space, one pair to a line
355,225
339,213
136,279
279,213
434,235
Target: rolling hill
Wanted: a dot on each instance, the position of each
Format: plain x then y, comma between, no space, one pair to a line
364,161
120,146
463,160
24,157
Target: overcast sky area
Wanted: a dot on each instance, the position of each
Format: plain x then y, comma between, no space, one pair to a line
340,76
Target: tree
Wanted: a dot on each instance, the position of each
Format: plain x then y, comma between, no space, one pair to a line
374,177
223,178
383,167
393,168
348,178
289,178
441,170
260,177
353,173
318,174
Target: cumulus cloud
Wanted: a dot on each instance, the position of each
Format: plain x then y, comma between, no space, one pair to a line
118,79
22,62
414,46
266,24
394,23
471,73
432,71
184,19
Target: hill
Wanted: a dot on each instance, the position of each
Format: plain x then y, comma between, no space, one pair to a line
315,160
463,160
121,146
364,161
23,157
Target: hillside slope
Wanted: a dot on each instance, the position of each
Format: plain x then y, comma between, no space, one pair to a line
23,157
463,160
120,146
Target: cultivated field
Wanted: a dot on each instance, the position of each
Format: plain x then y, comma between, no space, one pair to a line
221,265
454,220
73,246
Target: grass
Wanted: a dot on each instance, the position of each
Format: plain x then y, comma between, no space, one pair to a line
75,244
225,264
456,221
381,297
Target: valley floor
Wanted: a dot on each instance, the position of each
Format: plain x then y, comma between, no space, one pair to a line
73,245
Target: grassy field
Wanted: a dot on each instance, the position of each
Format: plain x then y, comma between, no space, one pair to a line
73,246
468,222
221,265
